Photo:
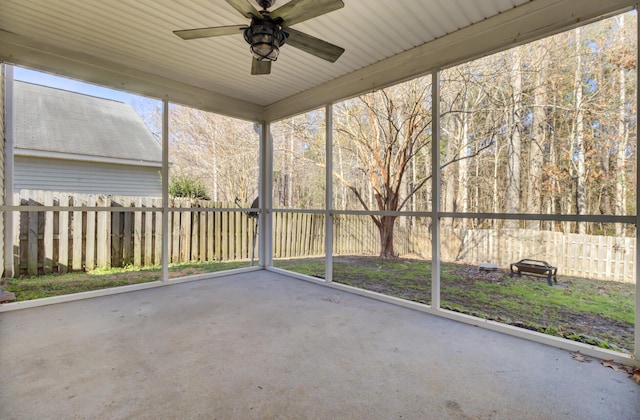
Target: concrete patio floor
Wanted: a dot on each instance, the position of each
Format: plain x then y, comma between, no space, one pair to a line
261,345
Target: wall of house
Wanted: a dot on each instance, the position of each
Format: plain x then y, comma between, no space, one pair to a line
36,173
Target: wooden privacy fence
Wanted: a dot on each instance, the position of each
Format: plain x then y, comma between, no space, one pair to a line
358,235
202,230
589,256
62,241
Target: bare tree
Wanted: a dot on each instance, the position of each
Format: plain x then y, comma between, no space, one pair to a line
386,130
578,135
515,143
538,132
219,151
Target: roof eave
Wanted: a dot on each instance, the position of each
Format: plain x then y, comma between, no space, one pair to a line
46,154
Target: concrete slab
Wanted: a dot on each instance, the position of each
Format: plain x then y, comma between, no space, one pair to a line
261,345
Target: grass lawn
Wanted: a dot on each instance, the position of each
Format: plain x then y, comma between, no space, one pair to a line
28,288
597,312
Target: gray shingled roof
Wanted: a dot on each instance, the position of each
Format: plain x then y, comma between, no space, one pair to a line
54,120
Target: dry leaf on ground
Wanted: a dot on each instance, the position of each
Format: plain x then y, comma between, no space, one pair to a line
579,357
617,366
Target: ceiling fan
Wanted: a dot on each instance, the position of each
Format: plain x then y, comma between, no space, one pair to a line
269,30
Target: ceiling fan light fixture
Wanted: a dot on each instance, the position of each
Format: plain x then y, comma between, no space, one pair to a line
265,38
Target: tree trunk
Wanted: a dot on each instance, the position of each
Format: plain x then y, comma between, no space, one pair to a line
463,165
449,176
386,236
579,142
514,146
621,188
536,158
495,197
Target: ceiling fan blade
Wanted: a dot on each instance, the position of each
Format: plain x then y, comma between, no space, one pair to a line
245,8
313,45
187,34
297,11
260,67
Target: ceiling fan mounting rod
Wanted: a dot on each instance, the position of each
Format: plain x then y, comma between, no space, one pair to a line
265,4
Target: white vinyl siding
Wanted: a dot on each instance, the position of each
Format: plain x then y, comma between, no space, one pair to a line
86,177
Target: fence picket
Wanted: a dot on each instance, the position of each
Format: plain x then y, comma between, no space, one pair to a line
202,233
157,260
218,235
90,232
185,232
103,236
137,234
175,243
77,235
225,236
48,236
239,230
32,238
63,235
210,236
148,233
195,238
277,222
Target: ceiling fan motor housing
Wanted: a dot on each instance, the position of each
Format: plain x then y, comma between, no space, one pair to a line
265,37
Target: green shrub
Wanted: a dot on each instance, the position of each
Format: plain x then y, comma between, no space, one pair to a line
184,186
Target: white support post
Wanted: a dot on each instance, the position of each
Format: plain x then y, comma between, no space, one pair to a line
636,342
9,269
165,190
328,200
435,190
265,248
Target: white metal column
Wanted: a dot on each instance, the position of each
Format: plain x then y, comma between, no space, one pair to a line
328,200
9,269
165,190
435,189
636,341
265,247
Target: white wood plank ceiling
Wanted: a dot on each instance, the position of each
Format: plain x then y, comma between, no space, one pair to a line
130,45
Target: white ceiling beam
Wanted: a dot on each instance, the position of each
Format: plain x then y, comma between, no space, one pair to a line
22,51
526,23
